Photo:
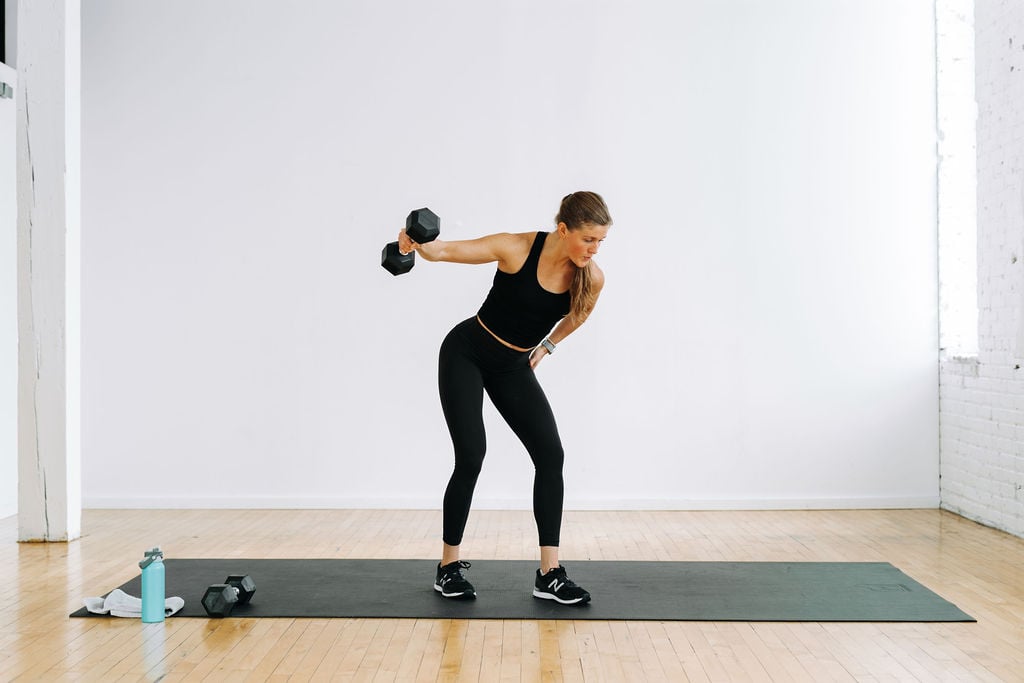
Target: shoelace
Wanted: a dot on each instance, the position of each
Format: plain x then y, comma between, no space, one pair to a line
454,572
558,574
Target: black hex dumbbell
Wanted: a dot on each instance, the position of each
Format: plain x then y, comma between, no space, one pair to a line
221,598
422,226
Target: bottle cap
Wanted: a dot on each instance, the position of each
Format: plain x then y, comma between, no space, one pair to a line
152,555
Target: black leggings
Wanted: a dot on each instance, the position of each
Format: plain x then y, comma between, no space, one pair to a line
471,362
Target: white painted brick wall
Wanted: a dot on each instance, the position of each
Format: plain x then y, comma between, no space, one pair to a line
982,399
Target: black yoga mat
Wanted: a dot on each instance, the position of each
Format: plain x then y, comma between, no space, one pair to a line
663,591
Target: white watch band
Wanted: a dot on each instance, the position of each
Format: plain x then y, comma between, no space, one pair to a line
547,344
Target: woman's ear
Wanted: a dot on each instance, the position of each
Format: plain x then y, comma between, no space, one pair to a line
563,230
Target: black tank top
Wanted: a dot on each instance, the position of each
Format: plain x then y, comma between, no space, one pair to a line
517,308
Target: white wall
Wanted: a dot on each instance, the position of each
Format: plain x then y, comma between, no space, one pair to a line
983,396
8,300
767,336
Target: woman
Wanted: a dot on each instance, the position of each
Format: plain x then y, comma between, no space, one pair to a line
543,281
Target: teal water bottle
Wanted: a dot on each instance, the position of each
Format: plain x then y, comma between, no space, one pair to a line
153,586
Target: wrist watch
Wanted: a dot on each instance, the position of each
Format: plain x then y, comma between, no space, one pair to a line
546,343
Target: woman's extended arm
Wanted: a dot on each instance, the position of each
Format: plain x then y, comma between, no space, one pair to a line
502,247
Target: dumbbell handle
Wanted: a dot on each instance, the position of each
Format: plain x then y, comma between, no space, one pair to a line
405,253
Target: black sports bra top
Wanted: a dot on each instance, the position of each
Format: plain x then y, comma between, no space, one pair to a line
518,309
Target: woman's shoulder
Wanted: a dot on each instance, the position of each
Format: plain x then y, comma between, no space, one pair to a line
596,275
512,248
513,238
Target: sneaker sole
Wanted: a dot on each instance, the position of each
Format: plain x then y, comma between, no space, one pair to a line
465,595
548,596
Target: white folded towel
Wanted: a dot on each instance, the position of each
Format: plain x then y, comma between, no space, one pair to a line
120,604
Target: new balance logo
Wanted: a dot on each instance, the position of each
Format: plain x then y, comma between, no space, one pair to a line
558,587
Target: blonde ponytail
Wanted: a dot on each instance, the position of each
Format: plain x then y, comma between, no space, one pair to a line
581,295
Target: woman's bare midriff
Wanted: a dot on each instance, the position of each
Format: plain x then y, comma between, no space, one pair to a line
511,346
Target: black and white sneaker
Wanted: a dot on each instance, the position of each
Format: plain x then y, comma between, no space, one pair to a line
450,582
555,585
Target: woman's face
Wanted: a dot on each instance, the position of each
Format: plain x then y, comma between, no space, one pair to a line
583,242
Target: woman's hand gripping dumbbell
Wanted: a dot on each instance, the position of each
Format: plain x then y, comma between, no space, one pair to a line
421,226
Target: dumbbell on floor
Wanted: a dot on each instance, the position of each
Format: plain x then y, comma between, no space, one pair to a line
422,226
221,598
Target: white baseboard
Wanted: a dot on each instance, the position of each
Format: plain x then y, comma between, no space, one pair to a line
434,502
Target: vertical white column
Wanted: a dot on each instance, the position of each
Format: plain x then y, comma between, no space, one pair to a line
8,294
49,229
957,178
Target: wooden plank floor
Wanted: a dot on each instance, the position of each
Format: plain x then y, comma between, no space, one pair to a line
979,569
